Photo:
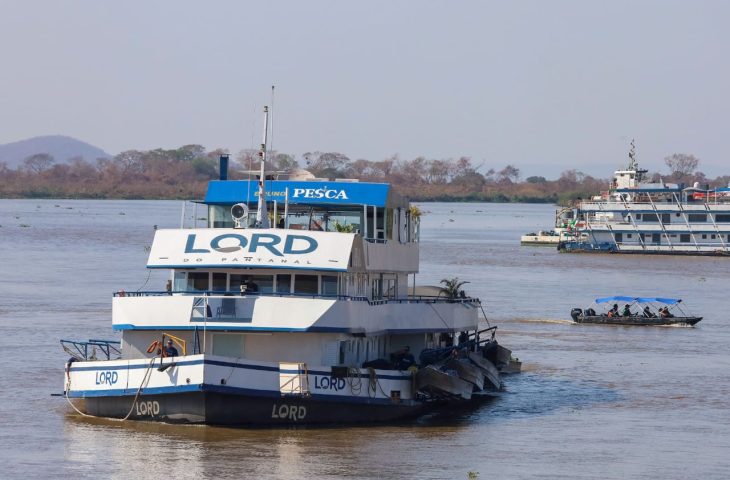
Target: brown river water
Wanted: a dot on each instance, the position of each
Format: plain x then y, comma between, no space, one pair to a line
599,402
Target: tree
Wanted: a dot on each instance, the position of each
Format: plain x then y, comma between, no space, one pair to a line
536,179
681,164
39,162
452,287
509,174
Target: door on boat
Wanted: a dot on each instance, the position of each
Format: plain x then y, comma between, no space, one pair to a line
656,238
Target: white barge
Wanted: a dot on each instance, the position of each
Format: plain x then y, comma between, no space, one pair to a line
291,307
635,216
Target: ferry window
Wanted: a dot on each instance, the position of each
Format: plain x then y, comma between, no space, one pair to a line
697,217
197,281
722,217
219,216
283,284
712,236
253,283
650,217
180,282
684,237
329,285
306,284
638,216
666,218
628,235
228,344
619,237
219,282
704,236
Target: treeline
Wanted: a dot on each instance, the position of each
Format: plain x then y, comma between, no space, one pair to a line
183,173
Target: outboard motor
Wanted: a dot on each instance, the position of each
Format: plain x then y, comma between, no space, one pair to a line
575,313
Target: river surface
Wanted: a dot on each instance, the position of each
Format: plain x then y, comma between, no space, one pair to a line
599,402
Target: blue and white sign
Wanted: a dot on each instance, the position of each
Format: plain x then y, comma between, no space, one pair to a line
339,193
246,248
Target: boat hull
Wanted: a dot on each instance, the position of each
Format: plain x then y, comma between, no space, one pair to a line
217,408
641,321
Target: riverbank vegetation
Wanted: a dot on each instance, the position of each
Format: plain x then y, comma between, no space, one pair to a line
183,173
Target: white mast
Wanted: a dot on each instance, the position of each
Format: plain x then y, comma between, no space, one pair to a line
262,216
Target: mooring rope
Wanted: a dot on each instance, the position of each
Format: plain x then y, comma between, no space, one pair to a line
143,383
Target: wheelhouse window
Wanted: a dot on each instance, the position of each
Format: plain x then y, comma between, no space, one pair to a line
220,282
306,284
329,285
252,283
283,284
197,281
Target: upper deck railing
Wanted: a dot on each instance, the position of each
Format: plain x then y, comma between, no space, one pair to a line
349,298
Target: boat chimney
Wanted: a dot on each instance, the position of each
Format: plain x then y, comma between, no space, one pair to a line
223,162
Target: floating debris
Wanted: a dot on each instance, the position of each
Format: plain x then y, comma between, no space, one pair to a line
24,225
122,213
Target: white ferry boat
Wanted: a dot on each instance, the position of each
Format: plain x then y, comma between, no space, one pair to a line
292,306
635,216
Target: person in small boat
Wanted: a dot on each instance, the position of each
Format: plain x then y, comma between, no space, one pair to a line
627,311
648,313
614,311
664,312
403,359
170,350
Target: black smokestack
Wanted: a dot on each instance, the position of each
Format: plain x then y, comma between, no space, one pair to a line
224,166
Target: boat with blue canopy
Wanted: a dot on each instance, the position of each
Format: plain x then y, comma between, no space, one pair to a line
628,310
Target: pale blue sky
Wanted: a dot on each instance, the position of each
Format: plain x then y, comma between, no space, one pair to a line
543,85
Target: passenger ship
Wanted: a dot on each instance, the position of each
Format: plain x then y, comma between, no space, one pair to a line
635,216
293,306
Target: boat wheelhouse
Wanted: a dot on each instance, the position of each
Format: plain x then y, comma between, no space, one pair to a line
291,306
634,216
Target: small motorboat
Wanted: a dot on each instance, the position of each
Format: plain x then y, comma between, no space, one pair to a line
647,311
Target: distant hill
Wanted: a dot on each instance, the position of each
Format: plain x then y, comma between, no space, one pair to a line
62,148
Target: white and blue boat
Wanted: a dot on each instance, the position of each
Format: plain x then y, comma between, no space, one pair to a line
292,306
637,216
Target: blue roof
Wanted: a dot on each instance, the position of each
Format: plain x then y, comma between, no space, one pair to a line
668,301
228,192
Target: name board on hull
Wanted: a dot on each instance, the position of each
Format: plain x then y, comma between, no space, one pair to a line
246,248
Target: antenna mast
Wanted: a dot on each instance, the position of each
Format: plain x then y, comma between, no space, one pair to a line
262,216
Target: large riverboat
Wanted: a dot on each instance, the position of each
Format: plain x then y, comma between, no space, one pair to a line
292,306
635,216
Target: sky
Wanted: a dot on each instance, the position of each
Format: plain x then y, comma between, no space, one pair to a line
545,86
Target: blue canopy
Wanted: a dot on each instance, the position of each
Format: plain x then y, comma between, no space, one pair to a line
668,301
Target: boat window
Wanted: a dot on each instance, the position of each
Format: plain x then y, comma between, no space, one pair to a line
628,235
219,282
666,218
219,216
306,284
197,281
697,217
228,344
712,236
329,285
684,237
650,217
704,236
619,237
253,283
722,217
302,217
283,283
180,281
